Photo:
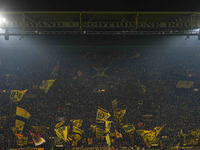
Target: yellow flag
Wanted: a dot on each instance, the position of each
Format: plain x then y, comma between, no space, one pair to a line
108,139
102,115
21,140
158,129
76,137
77,130
16,95
99,132
107,125
93,128
150,135
59,124
46,84
62,132
21,117
119,114
147,135
128,128
184,84
77,122
66,132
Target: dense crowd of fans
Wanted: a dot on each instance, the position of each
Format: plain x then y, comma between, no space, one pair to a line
75,94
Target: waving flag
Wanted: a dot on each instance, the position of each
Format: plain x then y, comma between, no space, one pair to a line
99,132
77,130
21,117
184,84
77,122
21,140
128,128
16,95
59,124
102,115
150,135
37,139
46,84
108,139
107,126
63,132
119,114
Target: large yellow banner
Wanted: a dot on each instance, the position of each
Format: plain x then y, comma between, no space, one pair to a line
21,117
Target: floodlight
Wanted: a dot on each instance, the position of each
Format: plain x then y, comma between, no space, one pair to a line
2,19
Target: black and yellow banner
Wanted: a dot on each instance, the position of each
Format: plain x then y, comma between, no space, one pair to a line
77,130
21,140
99,133
59,124
63,132
17,95
75,137
102,115
108,125
150,135
21,117
119,114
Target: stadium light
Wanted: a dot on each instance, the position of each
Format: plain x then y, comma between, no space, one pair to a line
2,19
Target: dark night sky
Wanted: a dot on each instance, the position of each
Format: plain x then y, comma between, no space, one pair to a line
99,5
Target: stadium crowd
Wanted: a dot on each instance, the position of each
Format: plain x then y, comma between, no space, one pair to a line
143,80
